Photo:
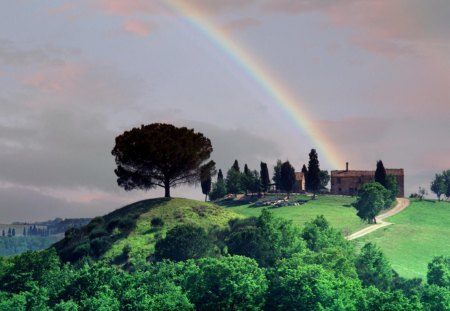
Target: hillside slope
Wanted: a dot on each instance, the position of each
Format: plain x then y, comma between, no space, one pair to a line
126,234
418,234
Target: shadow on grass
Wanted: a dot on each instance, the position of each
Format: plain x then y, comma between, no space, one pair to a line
108,229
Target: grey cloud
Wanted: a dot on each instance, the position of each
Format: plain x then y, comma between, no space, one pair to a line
13,54
18,204
238,143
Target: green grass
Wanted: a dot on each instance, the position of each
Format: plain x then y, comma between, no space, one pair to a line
419,233
336,209
139,236
173,212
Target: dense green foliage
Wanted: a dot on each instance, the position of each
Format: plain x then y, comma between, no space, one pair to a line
159,155
311,269
233,181
372,198
441,184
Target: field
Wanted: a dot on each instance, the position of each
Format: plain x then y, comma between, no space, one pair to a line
419,233
336,209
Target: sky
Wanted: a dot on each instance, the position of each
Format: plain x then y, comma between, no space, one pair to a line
358,80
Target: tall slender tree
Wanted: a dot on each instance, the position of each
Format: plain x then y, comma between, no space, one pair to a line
236,166
233,181
206,172
313,178
246,179
277,175
265,179
220,175
380,174
287,177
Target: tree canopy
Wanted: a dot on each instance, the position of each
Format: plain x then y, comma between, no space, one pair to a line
380,174
372,198
287,177
159,155
206,172
313,179
265,179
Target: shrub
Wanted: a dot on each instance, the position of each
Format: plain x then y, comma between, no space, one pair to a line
157,222
126,224
184,242
99,246
97,232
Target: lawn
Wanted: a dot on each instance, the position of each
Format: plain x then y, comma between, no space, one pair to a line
419,233
336,209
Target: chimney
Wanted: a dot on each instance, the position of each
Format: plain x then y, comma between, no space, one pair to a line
346,166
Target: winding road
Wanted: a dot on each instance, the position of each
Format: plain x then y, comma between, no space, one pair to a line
402,203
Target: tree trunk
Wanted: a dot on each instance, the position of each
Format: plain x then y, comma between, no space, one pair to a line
206,197
167,188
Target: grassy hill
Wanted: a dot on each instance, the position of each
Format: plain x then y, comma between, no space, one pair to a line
419,233
336,209
127,234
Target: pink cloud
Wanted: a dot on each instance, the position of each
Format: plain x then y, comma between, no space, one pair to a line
137,27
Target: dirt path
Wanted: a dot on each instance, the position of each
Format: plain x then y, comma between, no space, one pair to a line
402,203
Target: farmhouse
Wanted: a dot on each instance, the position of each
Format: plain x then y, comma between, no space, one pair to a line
347,182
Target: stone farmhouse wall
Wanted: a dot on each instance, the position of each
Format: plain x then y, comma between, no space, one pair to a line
348,182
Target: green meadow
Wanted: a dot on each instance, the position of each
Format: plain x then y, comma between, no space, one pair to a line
336,209
418,234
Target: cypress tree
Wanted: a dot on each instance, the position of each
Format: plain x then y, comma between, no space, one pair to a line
380,174
206,172
265,179
287,177
220,176
313,172
236,166
277,175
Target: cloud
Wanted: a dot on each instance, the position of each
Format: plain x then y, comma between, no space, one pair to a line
22,204
356,130
11,54
241,24
128,7
236,143
138,28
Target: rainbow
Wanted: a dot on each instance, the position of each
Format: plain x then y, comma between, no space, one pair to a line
194,16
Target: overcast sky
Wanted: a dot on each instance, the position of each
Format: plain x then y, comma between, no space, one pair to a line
373,76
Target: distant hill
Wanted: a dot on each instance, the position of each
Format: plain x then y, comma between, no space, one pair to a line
127,235
20,237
